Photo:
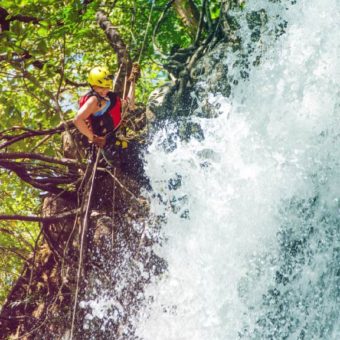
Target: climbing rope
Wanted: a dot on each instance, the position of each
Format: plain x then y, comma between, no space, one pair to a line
146,32
113,208
82,241
115,180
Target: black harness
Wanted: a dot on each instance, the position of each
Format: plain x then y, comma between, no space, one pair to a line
103,124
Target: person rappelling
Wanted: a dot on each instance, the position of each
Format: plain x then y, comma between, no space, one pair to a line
101,119
100,109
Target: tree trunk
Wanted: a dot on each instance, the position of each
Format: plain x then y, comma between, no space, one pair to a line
118,45
44,303
189,14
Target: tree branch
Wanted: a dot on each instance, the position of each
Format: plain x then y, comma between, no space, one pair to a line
38,173
201,22
22,173
118,45
30,133
17,236
48,219
5,19
189,15
155,30
39,64
18,155
15,251
24,18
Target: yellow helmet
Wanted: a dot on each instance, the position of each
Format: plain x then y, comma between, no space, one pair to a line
100,76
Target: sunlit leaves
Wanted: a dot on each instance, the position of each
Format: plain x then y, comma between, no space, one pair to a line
39,60
215,7
16,238
42,32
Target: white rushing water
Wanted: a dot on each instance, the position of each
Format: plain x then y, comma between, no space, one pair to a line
252,211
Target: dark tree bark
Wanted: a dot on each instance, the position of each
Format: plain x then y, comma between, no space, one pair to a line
5,20
119,47
189,14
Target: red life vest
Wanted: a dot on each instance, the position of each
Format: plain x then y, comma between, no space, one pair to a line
110,119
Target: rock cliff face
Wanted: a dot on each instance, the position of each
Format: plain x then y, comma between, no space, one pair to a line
215,66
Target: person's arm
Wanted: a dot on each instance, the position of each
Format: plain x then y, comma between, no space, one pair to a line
131,96
135,74
82,115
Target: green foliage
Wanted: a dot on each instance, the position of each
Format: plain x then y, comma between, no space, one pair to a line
40,62
16,238
214,7
172,32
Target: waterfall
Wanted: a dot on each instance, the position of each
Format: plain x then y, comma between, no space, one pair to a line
251,211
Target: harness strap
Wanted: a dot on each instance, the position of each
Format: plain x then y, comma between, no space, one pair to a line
92,92
103,110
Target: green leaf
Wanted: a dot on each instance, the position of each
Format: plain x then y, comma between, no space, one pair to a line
42,47
6,3
43,32
45,24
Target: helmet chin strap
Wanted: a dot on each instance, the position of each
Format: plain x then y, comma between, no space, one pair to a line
103,98
98,96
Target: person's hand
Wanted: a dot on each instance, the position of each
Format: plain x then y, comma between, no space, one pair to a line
99,141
